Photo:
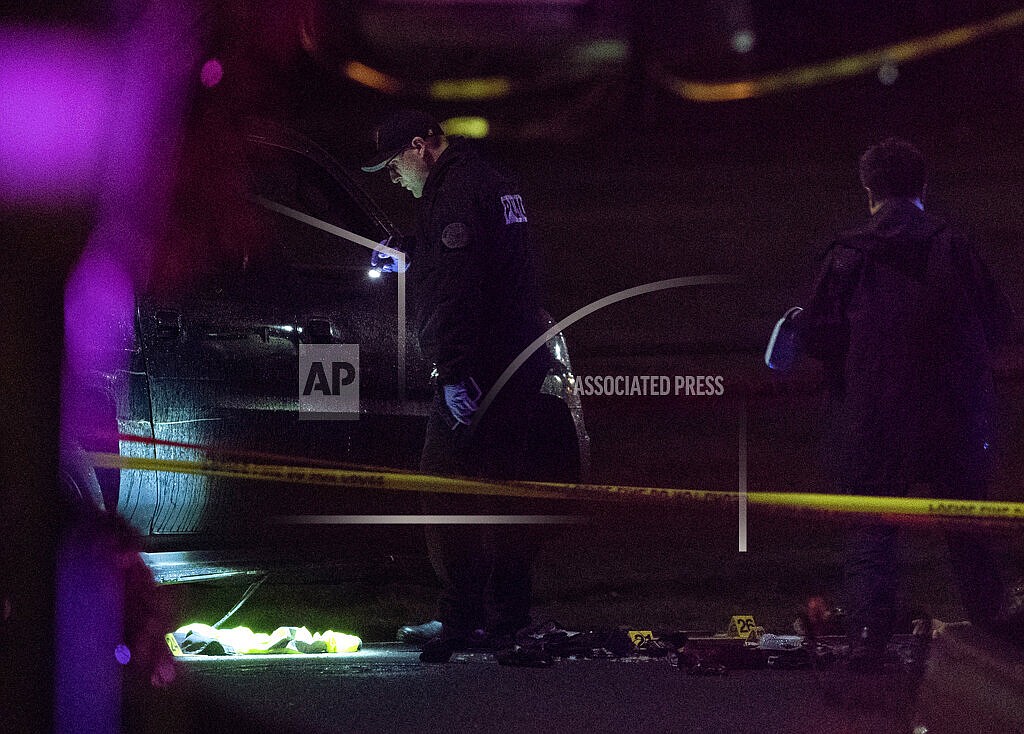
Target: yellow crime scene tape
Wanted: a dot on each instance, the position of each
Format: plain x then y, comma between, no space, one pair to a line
894,508
844,67
351,478
802,77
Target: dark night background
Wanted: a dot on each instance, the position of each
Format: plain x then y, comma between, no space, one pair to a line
628,183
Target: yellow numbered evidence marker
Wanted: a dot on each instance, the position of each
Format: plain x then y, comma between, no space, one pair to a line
741,625
173,645
641,638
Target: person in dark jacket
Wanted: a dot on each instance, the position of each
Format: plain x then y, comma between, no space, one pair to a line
474,292
904,317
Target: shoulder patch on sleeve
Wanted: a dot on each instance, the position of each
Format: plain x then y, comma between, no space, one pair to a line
515,212
455,236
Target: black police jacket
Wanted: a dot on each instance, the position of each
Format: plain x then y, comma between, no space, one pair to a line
904,316
472,276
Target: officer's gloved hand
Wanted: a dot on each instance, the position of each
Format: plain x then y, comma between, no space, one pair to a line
385,263
461,399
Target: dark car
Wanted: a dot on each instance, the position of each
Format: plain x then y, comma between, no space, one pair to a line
216,365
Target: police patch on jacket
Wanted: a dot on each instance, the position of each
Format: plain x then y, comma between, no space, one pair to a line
515,212
455,236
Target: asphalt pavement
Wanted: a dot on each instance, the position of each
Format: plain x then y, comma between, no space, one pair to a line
384,688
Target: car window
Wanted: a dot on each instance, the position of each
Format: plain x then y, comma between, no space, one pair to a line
290,179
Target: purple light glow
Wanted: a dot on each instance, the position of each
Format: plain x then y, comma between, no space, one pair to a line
123,654
101,122
99,305
211,73
156,63
55,95
90,622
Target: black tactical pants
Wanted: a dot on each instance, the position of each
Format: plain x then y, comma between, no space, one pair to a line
485,569
871,569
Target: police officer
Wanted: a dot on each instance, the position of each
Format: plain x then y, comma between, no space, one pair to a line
474,295
904,316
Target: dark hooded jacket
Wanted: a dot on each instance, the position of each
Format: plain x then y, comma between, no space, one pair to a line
473,281
904,316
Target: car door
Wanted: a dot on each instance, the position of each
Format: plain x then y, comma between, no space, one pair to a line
221,356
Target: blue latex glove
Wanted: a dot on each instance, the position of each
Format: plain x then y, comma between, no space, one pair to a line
462,398
384,263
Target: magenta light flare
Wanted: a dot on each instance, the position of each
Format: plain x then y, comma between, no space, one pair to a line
155,65
90,624
55,95
211,73
99,305
115,117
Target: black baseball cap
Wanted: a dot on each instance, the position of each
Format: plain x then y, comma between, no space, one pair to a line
393,135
